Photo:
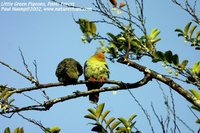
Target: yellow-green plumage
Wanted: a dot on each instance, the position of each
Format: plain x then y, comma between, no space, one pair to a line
96,69
68,71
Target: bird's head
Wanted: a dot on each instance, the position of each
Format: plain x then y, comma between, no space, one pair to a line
99,54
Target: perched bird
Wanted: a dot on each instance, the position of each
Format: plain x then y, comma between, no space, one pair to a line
96,69
68,71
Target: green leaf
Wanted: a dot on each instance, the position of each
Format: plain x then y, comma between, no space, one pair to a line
10,102
178,30
196,68
55,129
16,130
198,120
124,122
98,128
8,94
91,116
168,56
154,33
47,130
21,130
180,34
99,110
159,56
103,116
93,29
175,60
195,108
195,93
83,24
92,111
184,63
156,40
187,28
197,35
113,37
135,44
132,125
121,130
110,120
197,48
192,30
3,93
131,118
114,125
7,130
155,60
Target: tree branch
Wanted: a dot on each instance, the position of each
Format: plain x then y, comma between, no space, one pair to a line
49,85
15,70
176,87
48,104
191,10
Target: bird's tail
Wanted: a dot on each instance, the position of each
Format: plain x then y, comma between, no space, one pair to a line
94,98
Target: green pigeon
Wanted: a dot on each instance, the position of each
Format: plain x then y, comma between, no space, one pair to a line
96,69
68,71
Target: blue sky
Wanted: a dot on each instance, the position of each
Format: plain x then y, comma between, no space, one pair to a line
49,37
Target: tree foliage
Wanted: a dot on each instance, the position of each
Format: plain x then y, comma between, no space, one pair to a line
126,47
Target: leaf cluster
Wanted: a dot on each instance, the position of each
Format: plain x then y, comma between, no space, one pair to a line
16,130
188,34
197,95
136,47
88,28
5,101
54,129
102,124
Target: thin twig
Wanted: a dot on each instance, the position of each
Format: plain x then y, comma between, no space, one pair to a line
15,70
26,66
169,110
173,110
36,76
189,9
160,120
36,70
193,112
38,123
144,111
32,99
167,120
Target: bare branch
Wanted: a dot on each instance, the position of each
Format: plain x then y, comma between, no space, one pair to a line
193,112
166,103
191,10
32,99
170,111
160,120
25,65
143,110
174,112
38,123
15,70
36,70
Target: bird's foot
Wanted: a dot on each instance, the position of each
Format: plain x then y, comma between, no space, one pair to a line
92,79
77,92
102,79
